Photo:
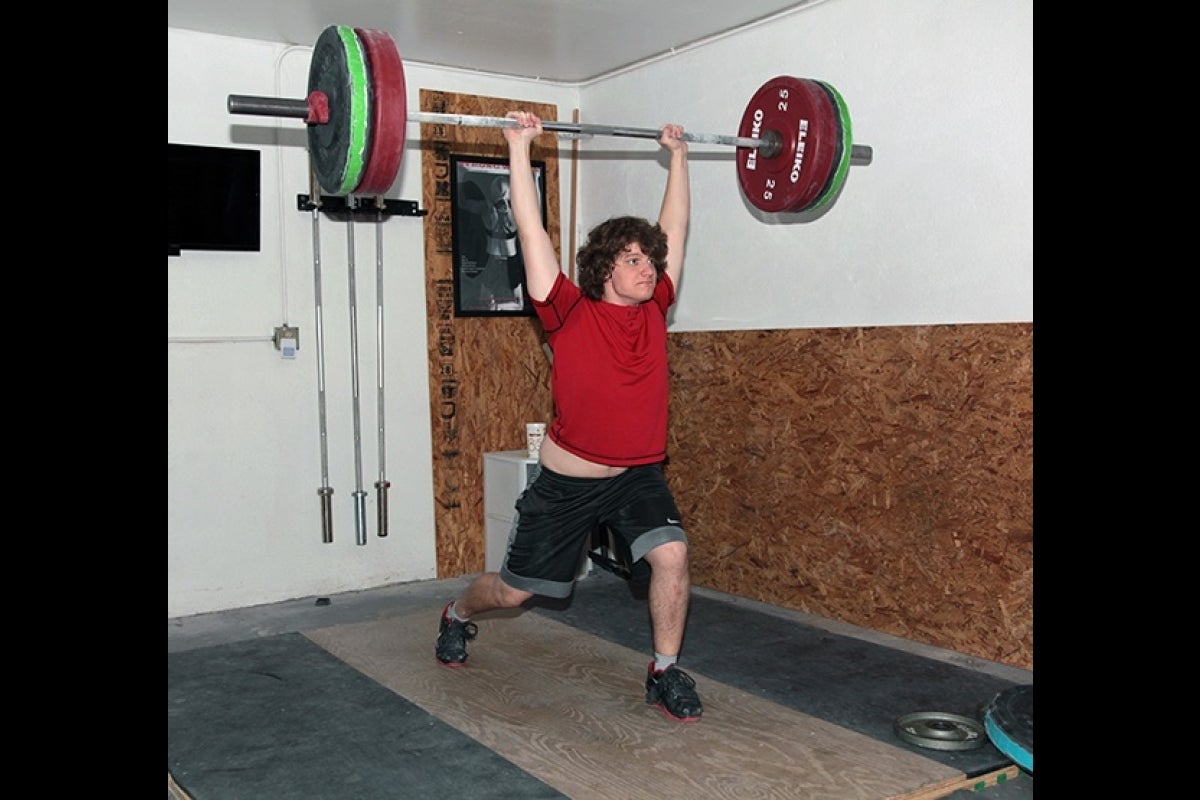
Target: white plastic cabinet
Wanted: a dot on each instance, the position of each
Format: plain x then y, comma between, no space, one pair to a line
506,473
505,476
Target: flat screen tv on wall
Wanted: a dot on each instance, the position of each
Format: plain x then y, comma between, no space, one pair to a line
213,198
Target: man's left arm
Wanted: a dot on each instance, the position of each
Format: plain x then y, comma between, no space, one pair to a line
676,204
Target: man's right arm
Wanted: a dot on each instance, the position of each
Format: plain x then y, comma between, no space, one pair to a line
541,262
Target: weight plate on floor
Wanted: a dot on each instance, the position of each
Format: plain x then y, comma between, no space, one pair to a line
1008,719
938,730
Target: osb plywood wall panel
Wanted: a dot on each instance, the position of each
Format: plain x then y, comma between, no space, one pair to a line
878,476
488,375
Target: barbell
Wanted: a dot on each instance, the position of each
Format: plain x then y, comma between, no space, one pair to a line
794,145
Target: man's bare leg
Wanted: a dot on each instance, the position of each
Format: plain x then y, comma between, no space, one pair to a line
670,586
454,628
668,687
488,592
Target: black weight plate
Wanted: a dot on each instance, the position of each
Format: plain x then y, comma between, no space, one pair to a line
338,148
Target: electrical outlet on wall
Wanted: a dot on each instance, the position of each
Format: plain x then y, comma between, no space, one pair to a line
287,340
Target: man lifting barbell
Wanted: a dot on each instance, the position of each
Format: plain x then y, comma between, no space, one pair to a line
601,460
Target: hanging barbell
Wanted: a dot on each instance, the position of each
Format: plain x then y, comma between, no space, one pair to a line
794,143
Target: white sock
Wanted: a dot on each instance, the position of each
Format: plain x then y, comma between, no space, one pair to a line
452,612
661,662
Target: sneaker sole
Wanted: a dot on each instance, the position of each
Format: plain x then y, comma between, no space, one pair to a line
451,664
671,716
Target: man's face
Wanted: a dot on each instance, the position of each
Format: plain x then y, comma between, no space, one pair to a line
633,277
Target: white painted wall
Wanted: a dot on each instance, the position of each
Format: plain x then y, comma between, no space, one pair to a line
243,428
938,229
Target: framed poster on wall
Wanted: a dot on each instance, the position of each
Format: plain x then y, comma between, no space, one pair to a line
489,272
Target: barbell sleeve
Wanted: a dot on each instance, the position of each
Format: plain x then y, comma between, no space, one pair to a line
861,154
267,106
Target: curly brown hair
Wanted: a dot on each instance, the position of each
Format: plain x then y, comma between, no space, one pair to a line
594,261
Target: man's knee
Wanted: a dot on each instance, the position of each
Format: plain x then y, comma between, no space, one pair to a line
498,594
668,556
510,597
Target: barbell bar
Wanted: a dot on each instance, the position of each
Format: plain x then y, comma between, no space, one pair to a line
794,144
302,109
768,145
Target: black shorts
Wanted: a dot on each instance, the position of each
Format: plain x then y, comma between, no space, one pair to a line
557,514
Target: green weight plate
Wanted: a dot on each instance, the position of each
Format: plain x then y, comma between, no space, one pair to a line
837,176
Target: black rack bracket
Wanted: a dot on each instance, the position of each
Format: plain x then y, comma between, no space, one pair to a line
365,208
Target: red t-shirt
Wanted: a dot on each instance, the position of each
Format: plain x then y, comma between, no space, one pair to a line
609,378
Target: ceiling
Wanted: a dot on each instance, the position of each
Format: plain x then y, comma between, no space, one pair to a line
563,41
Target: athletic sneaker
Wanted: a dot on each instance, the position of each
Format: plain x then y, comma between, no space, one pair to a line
673,691
452,639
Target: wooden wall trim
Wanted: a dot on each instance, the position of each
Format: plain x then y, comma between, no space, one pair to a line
488,375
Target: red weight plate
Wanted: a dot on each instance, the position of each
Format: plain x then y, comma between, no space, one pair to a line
801,113
389,112
825,148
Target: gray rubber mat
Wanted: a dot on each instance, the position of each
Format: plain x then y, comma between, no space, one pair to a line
279,717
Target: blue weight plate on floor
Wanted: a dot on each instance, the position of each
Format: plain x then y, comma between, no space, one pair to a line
1008,720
